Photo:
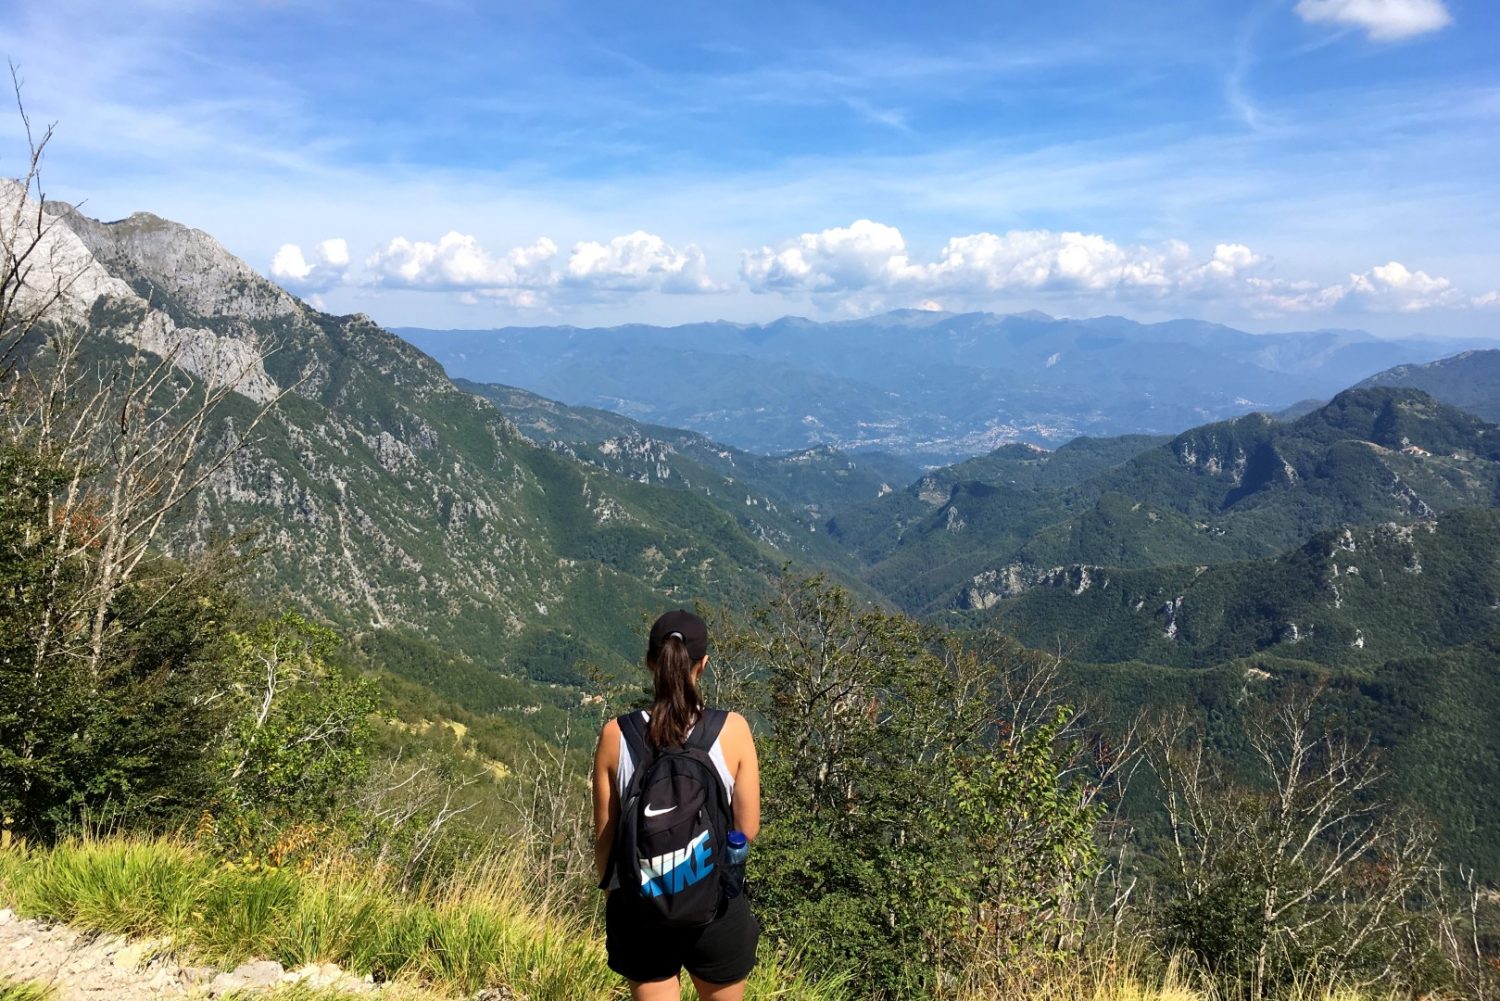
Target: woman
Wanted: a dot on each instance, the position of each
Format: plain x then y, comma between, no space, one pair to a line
720,954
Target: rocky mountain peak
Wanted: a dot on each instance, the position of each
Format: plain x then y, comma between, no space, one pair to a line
188,264
93,270
61,264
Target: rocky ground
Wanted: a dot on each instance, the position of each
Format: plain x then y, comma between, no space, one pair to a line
85,966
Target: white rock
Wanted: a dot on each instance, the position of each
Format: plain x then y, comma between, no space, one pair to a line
260,973
133,957
223,984
315,974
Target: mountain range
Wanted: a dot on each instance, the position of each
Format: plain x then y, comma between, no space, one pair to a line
936,386
1470,380
971,535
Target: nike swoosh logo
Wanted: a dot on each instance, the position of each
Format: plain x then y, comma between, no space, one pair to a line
657,813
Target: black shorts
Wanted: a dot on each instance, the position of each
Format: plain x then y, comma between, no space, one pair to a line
720,952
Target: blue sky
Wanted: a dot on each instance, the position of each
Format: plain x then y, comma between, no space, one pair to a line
1276,165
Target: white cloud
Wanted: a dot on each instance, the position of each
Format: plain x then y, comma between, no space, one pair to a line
1385,288
1392,287
1045,261
636,262
868,260
1381,20
1278,295
327,267
458,261
528,277
869,256
866,254
867,267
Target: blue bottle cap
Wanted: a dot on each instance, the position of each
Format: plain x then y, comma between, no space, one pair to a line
737,840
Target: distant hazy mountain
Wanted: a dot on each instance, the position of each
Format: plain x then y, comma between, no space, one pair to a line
935,385
1470,381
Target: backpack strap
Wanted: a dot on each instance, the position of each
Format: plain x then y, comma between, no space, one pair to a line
633,729
710,725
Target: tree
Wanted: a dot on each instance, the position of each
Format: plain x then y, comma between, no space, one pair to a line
924,812
79,742
1299,865
297,731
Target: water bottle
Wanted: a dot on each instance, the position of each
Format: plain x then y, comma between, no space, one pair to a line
736,850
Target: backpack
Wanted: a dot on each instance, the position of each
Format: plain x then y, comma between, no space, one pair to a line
674,821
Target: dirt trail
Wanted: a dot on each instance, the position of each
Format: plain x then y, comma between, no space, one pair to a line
85,966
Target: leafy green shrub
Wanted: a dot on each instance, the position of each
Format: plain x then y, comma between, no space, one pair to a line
924,818
298,733
81,736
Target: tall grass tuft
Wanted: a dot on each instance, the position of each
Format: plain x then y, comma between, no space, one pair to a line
26,990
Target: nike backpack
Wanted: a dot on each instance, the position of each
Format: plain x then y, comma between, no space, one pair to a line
674,820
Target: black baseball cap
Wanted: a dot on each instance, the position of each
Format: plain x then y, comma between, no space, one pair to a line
692,629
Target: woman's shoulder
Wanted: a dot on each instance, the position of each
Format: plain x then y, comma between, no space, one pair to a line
736,727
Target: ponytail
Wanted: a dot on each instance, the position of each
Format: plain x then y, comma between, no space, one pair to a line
677,701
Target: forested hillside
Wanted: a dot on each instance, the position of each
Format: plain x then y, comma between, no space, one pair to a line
782,499
1470,381
1246,488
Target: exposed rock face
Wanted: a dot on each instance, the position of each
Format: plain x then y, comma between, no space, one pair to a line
188,264
90,266
988,589
61,264
930,491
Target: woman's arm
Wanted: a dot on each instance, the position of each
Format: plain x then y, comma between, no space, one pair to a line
606,801
746,799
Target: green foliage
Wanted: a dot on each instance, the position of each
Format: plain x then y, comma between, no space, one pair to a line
920,812
298,732
80,740
259,723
